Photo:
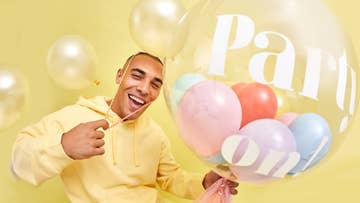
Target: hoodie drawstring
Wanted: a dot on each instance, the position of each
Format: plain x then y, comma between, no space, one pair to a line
113,146
135,152
114,141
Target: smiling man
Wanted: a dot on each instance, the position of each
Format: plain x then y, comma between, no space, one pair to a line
141,81
97,163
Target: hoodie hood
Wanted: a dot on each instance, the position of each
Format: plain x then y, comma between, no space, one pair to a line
98,103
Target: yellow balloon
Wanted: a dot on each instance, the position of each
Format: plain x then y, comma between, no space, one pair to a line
282,102
71,62
13,91
153,23
296,47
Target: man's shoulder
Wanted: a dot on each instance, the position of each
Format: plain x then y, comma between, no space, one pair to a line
70,109
75,112
85,104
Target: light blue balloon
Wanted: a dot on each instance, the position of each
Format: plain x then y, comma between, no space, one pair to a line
216,159
309,129
181,85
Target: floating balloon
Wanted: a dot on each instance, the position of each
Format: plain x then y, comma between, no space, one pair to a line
276,43
13,92
71,62
153,23
207,114
257,101
313,139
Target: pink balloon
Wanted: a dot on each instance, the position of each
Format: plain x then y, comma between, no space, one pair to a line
208,113
288,118
268,134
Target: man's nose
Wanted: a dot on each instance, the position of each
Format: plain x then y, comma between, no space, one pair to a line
143,88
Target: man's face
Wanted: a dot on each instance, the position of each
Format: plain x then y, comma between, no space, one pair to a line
141,85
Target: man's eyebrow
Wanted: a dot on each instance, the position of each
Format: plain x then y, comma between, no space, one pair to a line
138,70
158,80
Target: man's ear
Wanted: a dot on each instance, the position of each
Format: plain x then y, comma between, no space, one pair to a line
119,75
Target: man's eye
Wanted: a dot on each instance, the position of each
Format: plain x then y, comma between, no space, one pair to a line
136,76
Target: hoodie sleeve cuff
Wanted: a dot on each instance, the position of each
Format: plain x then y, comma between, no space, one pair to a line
52,153
198,188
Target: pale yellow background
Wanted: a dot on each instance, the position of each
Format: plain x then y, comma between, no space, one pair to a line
29,27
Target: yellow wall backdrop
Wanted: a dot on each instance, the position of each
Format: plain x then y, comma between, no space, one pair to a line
27,30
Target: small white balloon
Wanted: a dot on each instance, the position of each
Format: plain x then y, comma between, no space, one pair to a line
13,91
71,62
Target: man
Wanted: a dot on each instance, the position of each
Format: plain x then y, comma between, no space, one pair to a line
117,159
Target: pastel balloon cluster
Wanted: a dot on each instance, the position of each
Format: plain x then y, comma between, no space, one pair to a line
236,126
262,93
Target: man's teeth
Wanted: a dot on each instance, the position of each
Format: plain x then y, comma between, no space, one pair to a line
137,100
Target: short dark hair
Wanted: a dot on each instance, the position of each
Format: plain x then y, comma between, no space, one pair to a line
128,60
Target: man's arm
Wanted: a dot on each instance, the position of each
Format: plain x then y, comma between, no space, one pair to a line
173,179
37,153
43,150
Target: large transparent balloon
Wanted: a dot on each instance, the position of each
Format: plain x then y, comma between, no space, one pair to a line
292,70
13,93
153,24
71,62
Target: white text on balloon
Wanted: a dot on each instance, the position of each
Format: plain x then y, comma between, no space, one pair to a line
273,157
285,63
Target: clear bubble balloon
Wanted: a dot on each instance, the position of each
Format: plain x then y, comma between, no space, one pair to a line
153,24
71,62
13,93
295,48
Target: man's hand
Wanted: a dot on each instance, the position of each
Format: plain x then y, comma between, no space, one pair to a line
84,140
211,177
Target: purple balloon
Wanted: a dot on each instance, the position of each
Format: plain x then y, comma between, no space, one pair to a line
208,113
268,134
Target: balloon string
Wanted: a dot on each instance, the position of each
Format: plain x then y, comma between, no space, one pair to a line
126,117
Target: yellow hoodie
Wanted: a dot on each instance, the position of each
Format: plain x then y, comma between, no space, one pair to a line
137,156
